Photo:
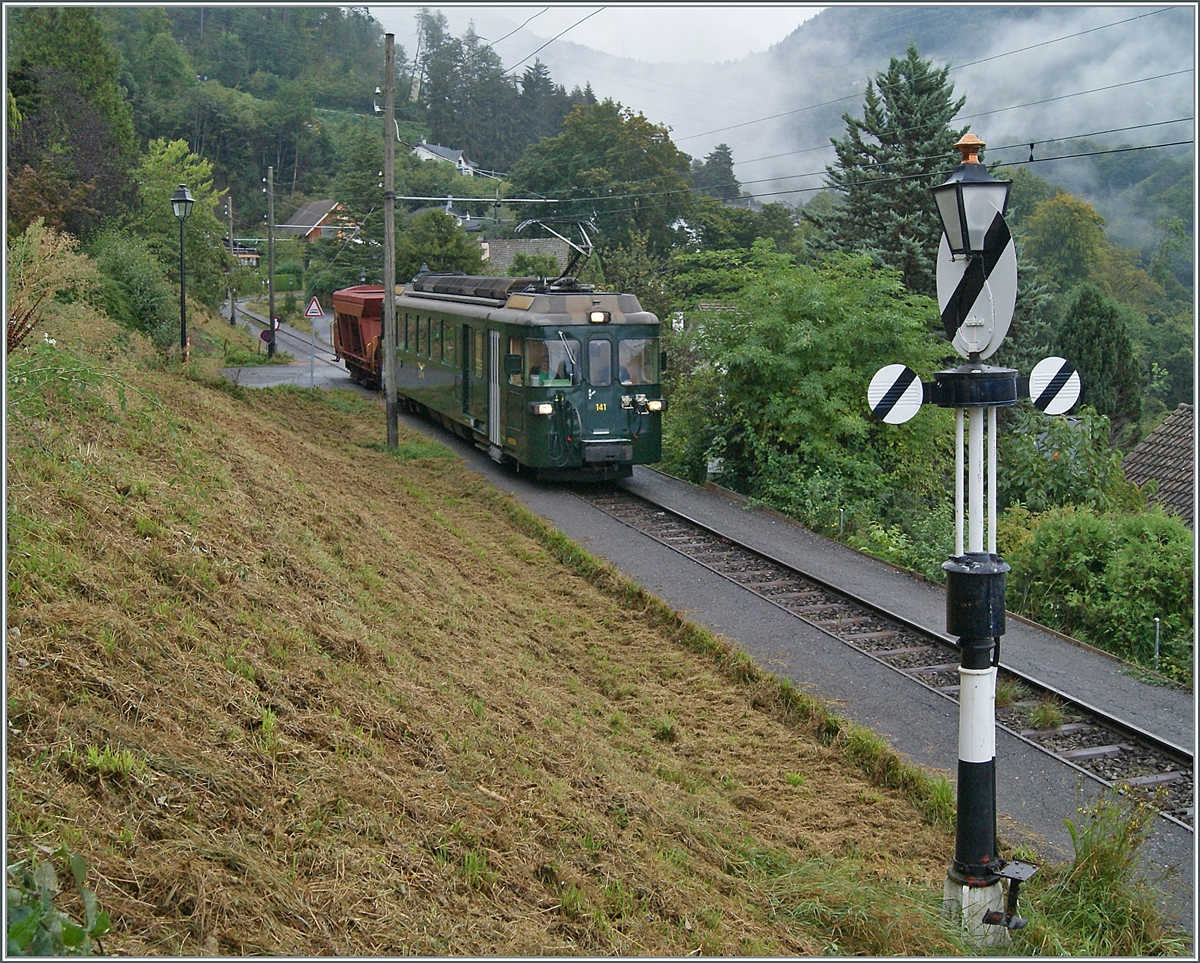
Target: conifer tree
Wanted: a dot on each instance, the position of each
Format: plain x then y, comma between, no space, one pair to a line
886,164
714,175
1094,338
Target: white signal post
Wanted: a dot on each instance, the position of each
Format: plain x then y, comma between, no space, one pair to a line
977,289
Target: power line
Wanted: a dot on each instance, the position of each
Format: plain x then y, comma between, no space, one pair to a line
552,39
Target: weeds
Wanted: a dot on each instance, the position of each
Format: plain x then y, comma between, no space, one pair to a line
1096,906
1047,714
36,926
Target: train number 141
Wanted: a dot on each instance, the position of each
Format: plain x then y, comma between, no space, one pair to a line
601,406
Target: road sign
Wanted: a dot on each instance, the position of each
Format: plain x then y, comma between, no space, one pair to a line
264,335
1054,386
895,394
314,309
977,295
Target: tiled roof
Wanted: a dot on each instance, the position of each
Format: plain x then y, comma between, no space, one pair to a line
306,217
1168,454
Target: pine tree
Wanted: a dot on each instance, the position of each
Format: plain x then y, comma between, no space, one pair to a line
886,164
714,175
1093,337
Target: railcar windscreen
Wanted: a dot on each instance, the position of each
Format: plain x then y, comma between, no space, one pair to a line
638,361
552,362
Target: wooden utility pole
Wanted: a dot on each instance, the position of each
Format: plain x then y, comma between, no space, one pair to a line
389,241
271,261
232,303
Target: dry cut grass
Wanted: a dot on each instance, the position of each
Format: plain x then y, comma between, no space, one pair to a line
290,693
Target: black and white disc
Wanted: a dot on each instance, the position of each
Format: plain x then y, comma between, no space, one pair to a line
895,394
1054,386
977,295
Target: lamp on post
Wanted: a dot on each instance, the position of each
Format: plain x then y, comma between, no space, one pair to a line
181,205
966,200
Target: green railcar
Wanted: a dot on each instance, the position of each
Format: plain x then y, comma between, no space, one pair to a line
556,378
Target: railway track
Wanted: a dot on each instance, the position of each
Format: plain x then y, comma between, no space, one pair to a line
1099,746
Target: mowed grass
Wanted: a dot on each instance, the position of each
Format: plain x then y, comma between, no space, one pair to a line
290,692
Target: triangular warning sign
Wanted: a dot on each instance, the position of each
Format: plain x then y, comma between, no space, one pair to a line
314,309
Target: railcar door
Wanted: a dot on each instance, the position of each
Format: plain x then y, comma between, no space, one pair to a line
475,377
494,418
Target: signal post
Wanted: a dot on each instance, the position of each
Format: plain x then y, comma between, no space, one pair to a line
977,287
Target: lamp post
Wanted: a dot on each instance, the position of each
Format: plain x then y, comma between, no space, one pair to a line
181,205
977,289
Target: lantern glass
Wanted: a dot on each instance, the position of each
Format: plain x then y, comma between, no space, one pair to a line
181,202
967,203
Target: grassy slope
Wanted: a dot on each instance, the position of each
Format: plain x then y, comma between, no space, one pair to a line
290,693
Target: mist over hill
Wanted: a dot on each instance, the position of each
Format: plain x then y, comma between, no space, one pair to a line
1031,75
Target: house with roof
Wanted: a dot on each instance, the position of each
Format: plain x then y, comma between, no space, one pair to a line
1168,456
315,220
436,152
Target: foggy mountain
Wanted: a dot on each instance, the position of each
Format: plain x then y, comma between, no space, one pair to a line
1030,75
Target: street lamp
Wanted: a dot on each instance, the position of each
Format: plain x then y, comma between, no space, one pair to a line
967,199
181,204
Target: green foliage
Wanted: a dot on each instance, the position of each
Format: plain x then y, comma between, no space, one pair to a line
164,167
437,241
35,925
136,291
611,162
1093,337
886,164
773,379
1096,906
533,265
1104,577
76,133
1051,462
42,265
713,176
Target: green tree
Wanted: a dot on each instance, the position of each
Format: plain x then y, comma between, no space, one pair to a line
1093,337
435,240
1065,235
166,166
772,376
614,164
68,159
714,175
886,164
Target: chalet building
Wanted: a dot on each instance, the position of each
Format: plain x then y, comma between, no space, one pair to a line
315,220
1168,455
246,256
436,152
499,253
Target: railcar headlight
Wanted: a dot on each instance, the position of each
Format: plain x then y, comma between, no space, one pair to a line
599,317
656,404
542,407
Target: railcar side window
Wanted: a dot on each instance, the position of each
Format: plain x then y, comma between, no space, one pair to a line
477,355
638,361
515,346
435,339
553,362
407,333
600,363
450,343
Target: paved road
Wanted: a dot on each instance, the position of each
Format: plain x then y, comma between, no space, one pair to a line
323,371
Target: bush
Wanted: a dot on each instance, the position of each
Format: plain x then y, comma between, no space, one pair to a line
136,291
1050,462
1104,577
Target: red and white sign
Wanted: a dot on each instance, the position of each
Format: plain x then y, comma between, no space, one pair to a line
314,309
